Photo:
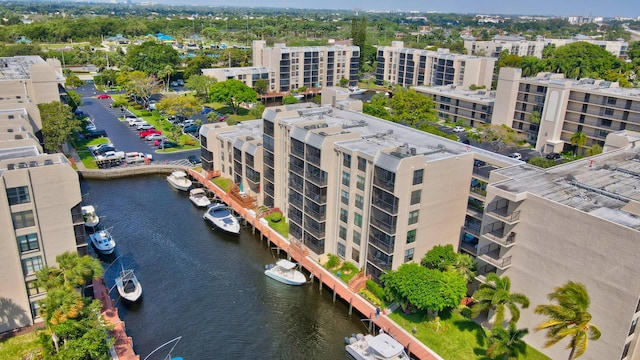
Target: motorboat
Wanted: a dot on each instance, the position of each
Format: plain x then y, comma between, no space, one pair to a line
91,220
355,90
199,197
285,272
220,217
103,241
379,347
128,286
178,179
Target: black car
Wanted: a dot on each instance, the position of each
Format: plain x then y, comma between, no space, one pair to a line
554,156
193,159
167,144
191,128
97,133
104,149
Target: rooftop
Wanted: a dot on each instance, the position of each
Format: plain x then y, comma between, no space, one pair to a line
584,84
606,186
17,67
484,96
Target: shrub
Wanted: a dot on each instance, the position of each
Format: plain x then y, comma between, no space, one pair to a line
371,298
349,267
333,262
276,216
375,289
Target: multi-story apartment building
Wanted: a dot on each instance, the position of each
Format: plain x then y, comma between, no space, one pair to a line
580,222
248,75
593,107
518,45
416,67
40,199
469,107
310,66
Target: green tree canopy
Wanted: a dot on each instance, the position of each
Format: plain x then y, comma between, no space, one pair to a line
183,105
261,86
439,257
201,84
58,124
151,57
426,289
568,316
233,92
289,99
411,108
196,64
72,81
495,294
73,99
582,59
507,343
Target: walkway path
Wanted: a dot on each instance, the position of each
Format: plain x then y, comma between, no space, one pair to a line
337,286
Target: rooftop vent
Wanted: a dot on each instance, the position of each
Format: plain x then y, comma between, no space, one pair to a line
11,166
33,163
22,165
48,162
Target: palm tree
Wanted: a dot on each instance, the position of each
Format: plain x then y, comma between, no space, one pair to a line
464,265
495,294
569,317
167,71
578,139
507,342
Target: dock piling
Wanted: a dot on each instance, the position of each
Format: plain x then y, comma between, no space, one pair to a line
334,292
350,306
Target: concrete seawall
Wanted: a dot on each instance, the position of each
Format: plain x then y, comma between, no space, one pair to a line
120,172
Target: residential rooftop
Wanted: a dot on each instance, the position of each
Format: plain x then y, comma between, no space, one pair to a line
17,67
477,96
606,186
584,84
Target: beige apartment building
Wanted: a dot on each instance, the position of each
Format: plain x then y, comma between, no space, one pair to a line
310,66
469,107
578,221
398,65
40,199
248,75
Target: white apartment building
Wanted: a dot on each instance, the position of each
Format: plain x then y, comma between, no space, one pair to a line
310,66
248,75
416,67
40,199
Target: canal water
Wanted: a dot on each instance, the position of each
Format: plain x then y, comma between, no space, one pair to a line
208,287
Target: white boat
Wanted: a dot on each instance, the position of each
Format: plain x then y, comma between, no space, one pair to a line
103,241
285,272
128,286
91,220
355,90
178,179
380,347
199,197
221,218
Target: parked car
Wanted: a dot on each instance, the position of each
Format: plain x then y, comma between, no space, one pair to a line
145,126
104,150
137,157
165,144
144,134
96,133
516,156
136,121
94,148
459,129
222,117
554,156
174,84
187,122
193,159
103,96
191,128
154,137
206,110
90,126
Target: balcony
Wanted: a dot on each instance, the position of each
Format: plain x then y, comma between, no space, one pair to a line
385,206
296,169
496,233
483,271
382,264
298,186
500,211
317,177
472,228
318,215
491,255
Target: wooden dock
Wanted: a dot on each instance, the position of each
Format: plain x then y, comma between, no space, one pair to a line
298,253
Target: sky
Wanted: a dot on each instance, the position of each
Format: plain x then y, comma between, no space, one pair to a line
610,8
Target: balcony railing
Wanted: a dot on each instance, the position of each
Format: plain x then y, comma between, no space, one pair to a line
386,206
315,214
296,169
379,262
478,190
483,271
318,179
472,229
491,254
299,187
503,213
496,233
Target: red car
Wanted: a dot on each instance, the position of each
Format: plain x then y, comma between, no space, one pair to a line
104,96
144,134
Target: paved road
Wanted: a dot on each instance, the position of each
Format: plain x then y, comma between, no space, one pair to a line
123,137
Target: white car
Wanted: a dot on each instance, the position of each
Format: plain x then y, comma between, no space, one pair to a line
136,121
95,148
459,129
154,137
144,126
516,156
187,123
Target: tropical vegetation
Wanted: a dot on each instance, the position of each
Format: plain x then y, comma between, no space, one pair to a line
495,294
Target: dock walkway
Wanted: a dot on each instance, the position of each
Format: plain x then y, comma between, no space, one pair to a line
123,346
298,253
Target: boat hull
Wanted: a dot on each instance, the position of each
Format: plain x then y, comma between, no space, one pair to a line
129,287
297,279
221,219
231,230
182,186
103,242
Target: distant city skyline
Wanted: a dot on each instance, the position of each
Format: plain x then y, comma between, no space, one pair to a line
619,8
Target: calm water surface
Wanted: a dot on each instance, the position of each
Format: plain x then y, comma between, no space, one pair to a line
208,287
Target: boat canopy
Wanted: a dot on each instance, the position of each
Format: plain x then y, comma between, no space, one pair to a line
179,173
88,209
286,264
196,191
385,345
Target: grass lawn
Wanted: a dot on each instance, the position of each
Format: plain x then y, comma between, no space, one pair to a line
82,148
20,347
282,227
457,338
223,183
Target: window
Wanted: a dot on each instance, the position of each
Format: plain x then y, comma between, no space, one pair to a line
606,123
632,329
608,111
411,236
359,201
18,195
408,255
611,101
362,164
344,197
344,215
23,219
342,233
413,217
35,309
357,219
31,265
355,254
417,176
28,242
346,178
33,289
360,182
346,160
356,237
342,250
415,196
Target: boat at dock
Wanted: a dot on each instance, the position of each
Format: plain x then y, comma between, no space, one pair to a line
199,197
354,90
103,242
91,220
285,272
128,286
379,347
220,217
178,179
